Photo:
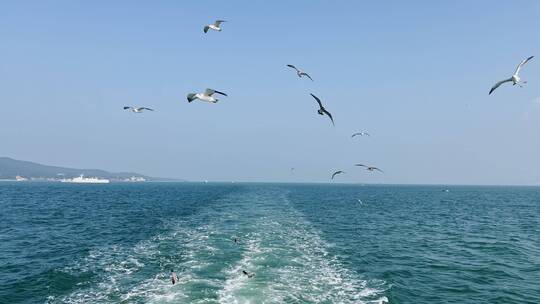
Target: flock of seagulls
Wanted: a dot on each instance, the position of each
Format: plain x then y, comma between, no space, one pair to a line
208,95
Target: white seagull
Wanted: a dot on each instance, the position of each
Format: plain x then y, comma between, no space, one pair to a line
515,78
299,72
206,96
361,134
137,109
216,26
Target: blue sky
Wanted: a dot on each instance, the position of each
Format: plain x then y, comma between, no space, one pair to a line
414,74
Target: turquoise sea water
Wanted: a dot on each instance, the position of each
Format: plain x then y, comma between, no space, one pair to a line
305,243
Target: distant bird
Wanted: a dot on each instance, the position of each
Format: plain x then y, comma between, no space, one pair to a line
336,173
206,96
515,78
322,110
360,201
299,72
249,275
137,109
369,168
216,26
360,134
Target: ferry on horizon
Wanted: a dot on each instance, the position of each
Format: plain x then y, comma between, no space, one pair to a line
86,180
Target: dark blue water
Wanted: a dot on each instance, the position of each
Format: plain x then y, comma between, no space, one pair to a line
305,243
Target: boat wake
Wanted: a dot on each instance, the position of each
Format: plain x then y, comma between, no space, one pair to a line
290,261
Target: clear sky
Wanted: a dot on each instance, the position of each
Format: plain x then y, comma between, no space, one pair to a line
415,74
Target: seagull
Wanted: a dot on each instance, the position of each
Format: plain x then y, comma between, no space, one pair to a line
299,72
247,274
369,168
336,173
322,110
361,134
137,109
206,96
215,26
360,201
515,78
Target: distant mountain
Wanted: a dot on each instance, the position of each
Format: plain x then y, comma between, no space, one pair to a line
10,168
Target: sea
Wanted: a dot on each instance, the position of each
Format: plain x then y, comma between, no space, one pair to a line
303,243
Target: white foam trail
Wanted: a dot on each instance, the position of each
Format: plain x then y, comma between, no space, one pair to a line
291,262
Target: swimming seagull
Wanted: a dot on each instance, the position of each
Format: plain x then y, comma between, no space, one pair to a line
206,96
369,168
215,26
249,275
137,109
361,134
322,110
299,72
515,78
336,173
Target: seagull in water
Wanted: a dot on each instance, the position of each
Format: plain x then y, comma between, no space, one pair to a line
322,110
137,109
369,168
206,96
247,274
299,72
215,26
361,134
336,173
515,78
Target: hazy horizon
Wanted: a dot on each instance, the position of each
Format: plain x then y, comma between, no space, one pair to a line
415,75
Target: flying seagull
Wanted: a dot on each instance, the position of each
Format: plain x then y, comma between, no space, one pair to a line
215,26
361,134
515,78
322,110
206,96
299,72
137,109
369,168
336,173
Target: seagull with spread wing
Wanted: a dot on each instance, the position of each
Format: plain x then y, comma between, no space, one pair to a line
216,26
336,173
361,134
515,78
322,110
369,168
205,96
299,72
137,109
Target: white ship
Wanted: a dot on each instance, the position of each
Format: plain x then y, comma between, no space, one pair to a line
86,180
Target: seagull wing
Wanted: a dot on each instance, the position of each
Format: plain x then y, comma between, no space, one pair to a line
521,64
292,66
329,115
218,22
306,74
206,28
336,173
498,84
375,168
360,165
318,101
143,108
221,93
356,134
